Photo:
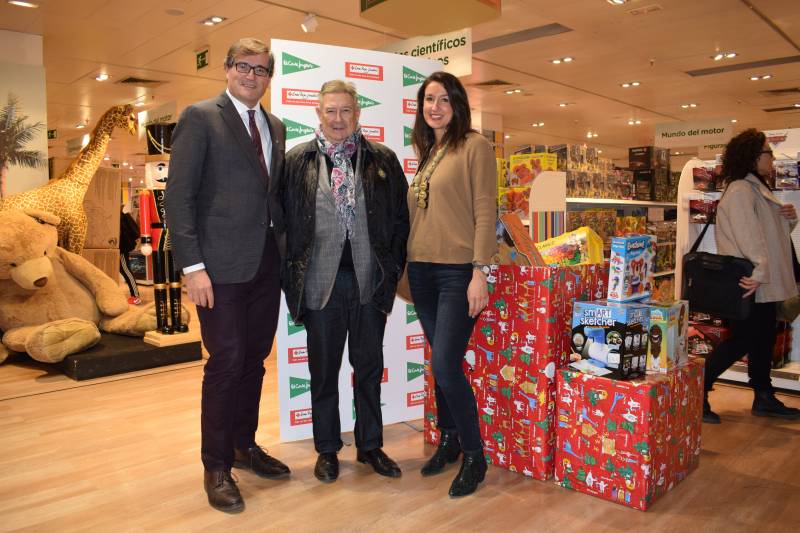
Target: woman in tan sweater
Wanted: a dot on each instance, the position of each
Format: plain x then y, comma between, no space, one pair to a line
452,209
752,223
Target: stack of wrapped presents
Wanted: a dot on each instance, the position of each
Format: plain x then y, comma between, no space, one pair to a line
579,376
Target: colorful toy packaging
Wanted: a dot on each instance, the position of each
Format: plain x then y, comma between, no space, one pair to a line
510,199
523,168
668,335
630,225
502,172
602,221
518,343
609,339
785,173
648,157
628,442
579,247
632,264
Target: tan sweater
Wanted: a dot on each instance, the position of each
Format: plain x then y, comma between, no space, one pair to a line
459,224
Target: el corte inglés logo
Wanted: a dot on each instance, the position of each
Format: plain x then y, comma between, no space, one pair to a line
291,327
414,342
415,398
409,106
298,417
411,77
298,386
291,64
373,133
363,102
411,311
407,136
304,97
410,166
363,71
295,129
414,370
298,355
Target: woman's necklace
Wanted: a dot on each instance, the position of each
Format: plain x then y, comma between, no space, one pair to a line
421,179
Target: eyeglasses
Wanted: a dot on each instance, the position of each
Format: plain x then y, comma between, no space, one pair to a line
243,67
768,152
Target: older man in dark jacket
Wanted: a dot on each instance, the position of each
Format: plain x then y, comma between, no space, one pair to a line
346,216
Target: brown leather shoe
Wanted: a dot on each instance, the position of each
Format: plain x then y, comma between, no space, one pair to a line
223,494
260,463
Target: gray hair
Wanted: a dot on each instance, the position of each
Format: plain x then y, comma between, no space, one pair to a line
339,87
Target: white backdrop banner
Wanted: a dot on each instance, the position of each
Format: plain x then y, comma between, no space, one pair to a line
387,85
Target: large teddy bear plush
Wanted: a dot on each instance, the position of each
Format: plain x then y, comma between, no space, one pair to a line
51,300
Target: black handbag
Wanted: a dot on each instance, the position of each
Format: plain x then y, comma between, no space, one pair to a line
711,283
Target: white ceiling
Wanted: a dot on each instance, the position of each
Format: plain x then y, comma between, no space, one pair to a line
139,38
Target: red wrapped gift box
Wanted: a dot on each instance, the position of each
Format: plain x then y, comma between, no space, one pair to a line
518,343
628,441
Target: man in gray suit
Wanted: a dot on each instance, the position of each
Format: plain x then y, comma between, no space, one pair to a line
344,199
225,223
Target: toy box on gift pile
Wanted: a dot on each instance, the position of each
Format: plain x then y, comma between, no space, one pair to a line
668,335
609,339
510,199
628,442
579,247
523,168
632,264
518,342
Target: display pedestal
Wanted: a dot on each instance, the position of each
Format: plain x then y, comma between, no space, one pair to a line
116,354
160,340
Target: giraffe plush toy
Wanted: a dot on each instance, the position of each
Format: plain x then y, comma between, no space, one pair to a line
63,196
54,303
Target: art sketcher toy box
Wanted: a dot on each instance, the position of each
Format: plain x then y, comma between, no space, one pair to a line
609,339
669,325
631,268
628,442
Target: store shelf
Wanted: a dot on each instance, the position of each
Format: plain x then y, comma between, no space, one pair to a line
612,201
787,378
664,273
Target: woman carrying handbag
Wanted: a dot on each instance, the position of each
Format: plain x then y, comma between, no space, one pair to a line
753,224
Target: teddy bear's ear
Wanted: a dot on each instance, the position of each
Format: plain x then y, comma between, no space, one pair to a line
43,217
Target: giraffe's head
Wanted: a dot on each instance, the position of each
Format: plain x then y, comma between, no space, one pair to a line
127,119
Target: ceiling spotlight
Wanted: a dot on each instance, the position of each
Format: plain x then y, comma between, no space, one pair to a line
797,105
510,91
635,83
734,121
567,59
107,158
563,104
630,84
616,2
599,151
559,60
20,3
630,123
517,91
212,20
139,104
677,153
730,55
309,24
508,136
80,126
101,77
626,85
130,180
763,77
556,61
537,124
766,76
687,106
718,57
124,163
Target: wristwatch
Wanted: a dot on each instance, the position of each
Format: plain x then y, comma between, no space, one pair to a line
485,270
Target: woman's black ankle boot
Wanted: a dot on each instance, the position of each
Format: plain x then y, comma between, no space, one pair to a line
446,453
472,472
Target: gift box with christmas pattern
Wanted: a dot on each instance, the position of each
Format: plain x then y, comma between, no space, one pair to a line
628,441
518,343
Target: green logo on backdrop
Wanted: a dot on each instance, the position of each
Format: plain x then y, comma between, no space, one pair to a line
292,64
411,77
407,136
414,370
411,314
295,129
298,386
292,327
363,102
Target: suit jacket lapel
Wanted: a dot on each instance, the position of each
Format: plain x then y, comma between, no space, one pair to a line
234,122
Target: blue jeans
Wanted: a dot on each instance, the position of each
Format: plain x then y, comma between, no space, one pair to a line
439,292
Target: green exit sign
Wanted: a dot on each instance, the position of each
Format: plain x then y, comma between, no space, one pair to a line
202,58
52,134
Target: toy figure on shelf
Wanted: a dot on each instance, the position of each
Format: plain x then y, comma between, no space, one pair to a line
155,242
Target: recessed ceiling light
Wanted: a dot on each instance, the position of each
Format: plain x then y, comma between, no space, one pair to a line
567,59
537,124
101,77
510,91
212,20
599,151
130,180
630,84
563,104
208,23
309,24
719,56
559,60
517,91
107,158
79,126
626,85
734,121
797,105
216,20
616,2
730,55
677,153
762,77
139,104
687,106
508,136
124,163
20,3
556,61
